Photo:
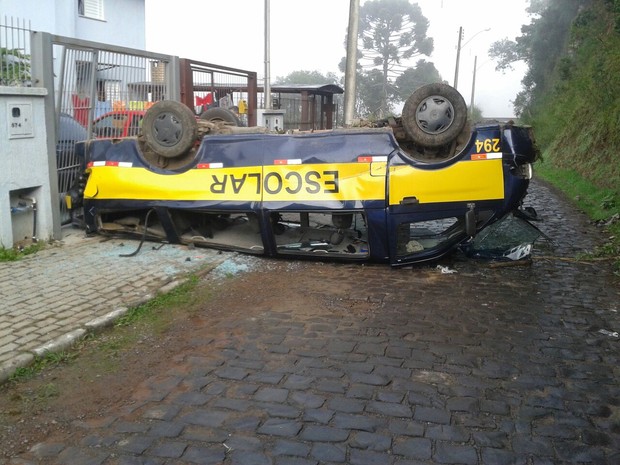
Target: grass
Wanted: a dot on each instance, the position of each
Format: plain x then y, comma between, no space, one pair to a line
576,119
17,253
150,310
601,205
49,360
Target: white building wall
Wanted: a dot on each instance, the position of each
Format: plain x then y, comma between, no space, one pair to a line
123,25
123,22
40,13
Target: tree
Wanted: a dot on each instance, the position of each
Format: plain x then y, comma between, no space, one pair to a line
475,114
542,45
307,77
412,78
391,33
14,67
368,99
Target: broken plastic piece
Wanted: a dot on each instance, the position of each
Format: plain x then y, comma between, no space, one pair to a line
445,270
519,252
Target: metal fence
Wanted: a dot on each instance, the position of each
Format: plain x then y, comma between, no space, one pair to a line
316,119
97,82
14,52
103,91
205,85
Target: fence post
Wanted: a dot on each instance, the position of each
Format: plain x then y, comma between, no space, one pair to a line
42,72
187,83
174,80
252,98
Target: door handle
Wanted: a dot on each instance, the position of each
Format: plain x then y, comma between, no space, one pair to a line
413,200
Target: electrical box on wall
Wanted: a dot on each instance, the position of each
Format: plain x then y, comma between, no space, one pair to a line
20,120
271,119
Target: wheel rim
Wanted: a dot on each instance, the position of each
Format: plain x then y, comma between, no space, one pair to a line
168,129
435,114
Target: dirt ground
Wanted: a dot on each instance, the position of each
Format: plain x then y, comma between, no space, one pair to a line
100,374
103,370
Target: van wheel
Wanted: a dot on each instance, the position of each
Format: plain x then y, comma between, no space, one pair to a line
169,128
434,115
220,114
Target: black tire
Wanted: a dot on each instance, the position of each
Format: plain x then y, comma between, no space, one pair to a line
434,115
169,128
220,114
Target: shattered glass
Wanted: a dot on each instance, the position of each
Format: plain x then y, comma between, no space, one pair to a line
511,238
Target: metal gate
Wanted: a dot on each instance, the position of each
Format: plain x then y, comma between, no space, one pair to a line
205,85
103,91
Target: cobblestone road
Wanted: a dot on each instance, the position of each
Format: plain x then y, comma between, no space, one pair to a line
371,365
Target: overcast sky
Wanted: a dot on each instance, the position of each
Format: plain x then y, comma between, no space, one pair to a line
310,35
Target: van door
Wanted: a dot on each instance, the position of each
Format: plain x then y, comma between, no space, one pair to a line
429,205
317,189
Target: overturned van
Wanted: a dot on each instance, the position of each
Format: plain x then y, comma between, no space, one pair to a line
362,194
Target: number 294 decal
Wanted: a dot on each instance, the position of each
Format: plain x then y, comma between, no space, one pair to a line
488,145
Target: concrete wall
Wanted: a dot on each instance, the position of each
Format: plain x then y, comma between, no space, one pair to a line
25,167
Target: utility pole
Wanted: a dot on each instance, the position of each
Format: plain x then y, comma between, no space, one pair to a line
458,58
458,51
351,65
267,84
473,86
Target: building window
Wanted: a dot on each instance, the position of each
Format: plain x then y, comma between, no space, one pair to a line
91,8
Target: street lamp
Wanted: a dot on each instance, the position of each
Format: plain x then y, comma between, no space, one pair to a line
458,52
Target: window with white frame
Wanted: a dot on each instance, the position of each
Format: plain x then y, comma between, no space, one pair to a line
91,8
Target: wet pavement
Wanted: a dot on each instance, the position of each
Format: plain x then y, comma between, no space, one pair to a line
372,365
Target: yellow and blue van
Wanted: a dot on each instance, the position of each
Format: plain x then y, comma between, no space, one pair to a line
345,194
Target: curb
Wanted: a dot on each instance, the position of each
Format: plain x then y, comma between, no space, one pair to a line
69,339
